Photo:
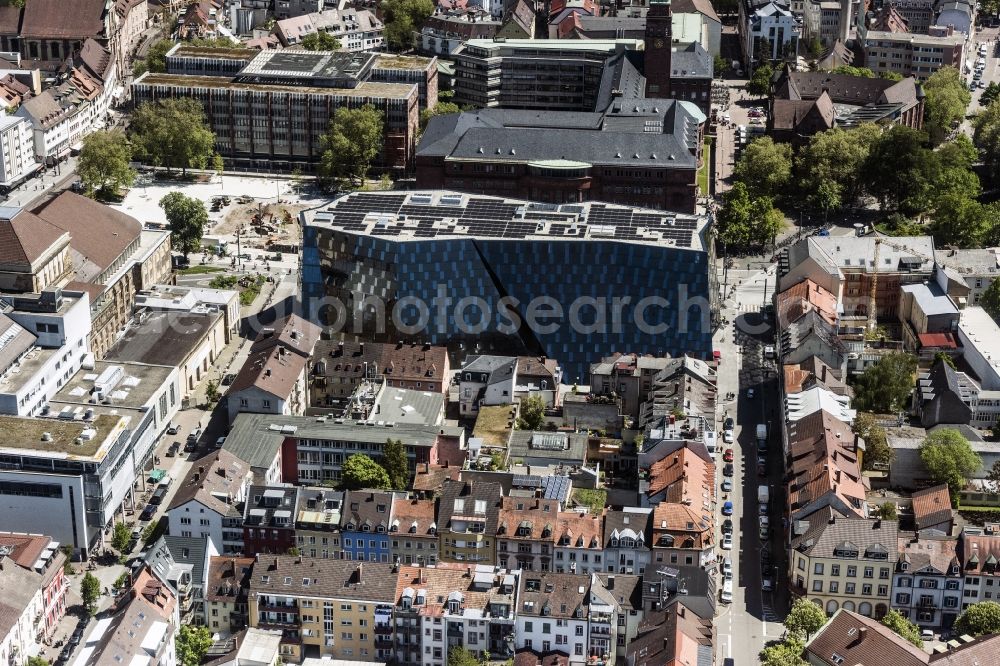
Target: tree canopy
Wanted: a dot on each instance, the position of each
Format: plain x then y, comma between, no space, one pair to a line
759,84
765,167
320,40
172,133
352,143
156,59
986,136
532,412
746,222
949,458
187,218
192,644
396,466
805,618
853,71
877,449
120,537
978,619
899,624
947,98
990,94
905,185
990,300
103,163
360,471
402,19
785,653
460,656
90,592
884,387
831,165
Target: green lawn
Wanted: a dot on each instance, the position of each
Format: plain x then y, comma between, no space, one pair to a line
195,270
706,168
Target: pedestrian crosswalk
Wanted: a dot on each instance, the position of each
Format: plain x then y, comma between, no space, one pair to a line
768,615
750,307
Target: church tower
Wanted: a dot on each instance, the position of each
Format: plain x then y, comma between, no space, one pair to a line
657,49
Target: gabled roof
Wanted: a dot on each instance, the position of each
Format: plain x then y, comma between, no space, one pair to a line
215,482
828,531
62,19
856,639
703,7
25,237
803,297
931,506
685,477
676,636
929,553
367,509
292,332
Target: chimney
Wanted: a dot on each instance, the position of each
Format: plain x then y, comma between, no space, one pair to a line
862,633
359,571
680,610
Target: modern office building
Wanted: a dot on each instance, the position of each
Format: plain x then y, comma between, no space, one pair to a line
269,109
639,152
459,269
768,31
911,54
17,153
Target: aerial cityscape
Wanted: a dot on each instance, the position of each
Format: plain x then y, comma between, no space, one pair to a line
500,332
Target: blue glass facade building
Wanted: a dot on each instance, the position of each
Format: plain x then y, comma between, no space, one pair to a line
629,292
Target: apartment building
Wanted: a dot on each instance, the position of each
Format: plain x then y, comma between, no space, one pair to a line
454,605
768,31
208,502
910,54
628,533
269,519
130,19
844,562
823,467
274,379
365,520
174,298
182,563
628,376
356,29
317,525
979,554
339,367
17,153
444,33
927,582
579,546
413,532
468,518
41,555
526,533
272,112
336,608
827,20
682,535
227,590
571,614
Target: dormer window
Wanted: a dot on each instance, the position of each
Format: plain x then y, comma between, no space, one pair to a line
904,566
366,528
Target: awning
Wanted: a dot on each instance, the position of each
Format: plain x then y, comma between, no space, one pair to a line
157,475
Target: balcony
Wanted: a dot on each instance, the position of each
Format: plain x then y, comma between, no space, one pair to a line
455,631
600,630
383,629
284,607
383,642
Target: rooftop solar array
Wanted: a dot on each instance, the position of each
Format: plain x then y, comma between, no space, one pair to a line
429,215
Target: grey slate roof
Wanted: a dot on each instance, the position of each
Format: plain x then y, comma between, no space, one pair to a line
823,536
692,62
568,447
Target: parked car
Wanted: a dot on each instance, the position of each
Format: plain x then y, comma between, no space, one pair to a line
727,509
219,442
727,526
727,470
727,436
173,428
728,455
194,435
727,486
729,424
750,394
727,567
727,542
148,512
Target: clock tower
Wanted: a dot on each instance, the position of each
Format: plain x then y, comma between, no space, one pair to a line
657,49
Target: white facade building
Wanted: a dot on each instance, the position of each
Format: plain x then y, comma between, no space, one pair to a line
765,23
17,153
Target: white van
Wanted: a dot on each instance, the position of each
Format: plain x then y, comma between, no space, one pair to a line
727,591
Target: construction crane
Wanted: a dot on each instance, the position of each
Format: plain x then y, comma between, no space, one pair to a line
872,309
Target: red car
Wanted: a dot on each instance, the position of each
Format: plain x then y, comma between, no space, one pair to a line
728,455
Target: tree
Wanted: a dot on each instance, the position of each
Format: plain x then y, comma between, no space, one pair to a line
352,144
460,656
173,133
395,464
765,167
719,66
990,94
191,644
888,511
785,653
37,661
90,592
943,357
402,19
990,300
978,619
986,137
103,164
831,165
320,41
850,70
212,393
903,627
994,474
187,218
156,59
815,48
759,84
805,618
120,537
946,99
218,164
438,109
745,221
959,220
877,449
949,458
360,471
884,387
904,186
951,167
532,412
891,76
